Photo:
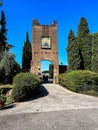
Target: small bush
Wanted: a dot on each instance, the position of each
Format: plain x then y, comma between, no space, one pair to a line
79,80
25,85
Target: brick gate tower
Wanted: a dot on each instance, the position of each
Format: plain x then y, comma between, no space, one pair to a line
44,47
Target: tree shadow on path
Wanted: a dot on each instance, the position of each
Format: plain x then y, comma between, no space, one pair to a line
9,106
42,93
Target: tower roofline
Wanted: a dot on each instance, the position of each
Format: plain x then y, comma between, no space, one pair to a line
36,23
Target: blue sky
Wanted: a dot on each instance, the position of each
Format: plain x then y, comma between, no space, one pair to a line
20,14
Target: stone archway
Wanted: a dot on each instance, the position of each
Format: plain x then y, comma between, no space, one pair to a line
55,69
47,68
44,46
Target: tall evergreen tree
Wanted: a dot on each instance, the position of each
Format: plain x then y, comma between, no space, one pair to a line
85,44
95,52
3,32
4,46
73,52
27,54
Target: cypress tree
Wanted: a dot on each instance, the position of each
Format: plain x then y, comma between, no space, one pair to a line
85,45
95,52
4,46
73,52
3,31
27,54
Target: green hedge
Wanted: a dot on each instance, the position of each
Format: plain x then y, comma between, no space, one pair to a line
25,85
79,80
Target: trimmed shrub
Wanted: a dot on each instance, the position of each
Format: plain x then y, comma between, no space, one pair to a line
79,80
95,83
25,85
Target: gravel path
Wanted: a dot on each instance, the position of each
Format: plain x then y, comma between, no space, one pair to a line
53,98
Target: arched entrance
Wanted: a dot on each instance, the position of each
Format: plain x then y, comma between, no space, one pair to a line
44,47
47,71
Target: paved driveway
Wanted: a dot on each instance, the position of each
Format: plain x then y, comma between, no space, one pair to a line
55,108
